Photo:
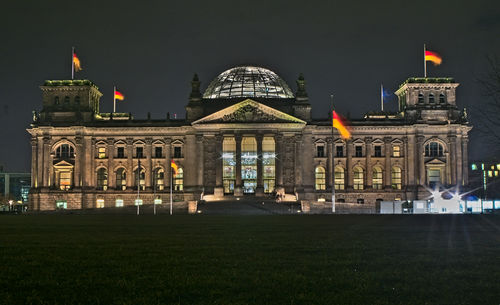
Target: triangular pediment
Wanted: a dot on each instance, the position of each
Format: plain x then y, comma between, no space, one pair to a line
249,111
435,162
63,164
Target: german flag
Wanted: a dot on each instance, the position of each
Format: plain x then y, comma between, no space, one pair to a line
174,167
76,63
119,95
434,57
340,126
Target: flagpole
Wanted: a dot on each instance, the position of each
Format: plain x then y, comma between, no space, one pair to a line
72,63
114,99
382,97
333,163
425,65
171,179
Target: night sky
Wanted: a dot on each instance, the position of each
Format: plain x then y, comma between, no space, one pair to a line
151,49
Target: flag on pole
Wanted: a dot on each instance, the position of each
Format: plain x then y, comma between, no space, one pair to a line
76,63
434,57
174,167
340,126
119,95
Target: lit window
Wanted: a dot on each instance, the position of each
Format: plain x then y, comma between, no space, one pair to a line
99,203
339,178
158,177
433,177
396,151
65,151
118,203
157,200
102,179
179,180
138,202
101,152
228,164
359,178
61,204
377,180
121,179
396,178
65,180
140,178
268,164
320,181
474,166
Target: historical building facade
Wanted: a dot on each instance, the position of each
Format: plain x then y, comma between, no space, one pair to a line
247,135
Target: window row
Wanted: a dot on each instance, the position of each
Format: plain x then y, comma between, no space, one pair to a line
66,101
359,181
358,151
431,98
138,152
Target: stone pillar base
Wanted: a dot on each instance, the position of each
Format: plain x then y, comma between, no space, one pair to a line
192,207
218,192
238,191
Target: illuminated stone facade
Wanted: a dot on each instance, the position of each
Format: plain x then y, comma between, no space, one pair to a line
248,135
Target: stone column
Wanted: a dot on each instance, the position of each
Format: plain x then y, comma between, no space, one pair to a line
464,167
411,158
219,190
46,159
110,153
130,162
238,189
279,160
166,163
420,160
331,167
388,167
369,168
200,158
148,164
89,155
78,162
259,191
34,157
452,140
40,165
299,163
349,172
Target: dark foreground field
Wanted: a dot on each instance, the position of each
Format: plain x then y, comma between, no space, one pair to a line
331,259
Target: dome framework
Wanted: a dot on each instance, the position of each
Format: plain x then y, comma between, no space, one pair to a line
248,81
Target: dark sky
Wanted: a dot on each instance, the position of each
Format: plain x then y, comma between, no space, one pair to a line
151,49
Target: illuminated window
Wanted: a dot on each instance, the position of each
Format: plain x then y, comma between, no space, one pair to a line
158,179
396,151
249,164
268,164
101,152
102,179
140,178
65,180
61,204
433,177
396,178
65,151
179,180
339,178
359,178
118,203
320,178
157,200
377,180
99,203
138,202
378,151
474,166
433,149
228,164
121,179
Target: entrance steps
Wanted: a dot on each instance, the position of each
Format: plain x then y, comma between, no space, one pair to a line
243,206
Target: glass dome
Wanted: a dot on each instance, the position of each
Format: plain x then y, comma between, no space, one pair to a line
248,81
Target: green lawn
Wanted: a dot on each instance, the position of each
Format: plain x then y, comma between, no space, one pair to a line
202,259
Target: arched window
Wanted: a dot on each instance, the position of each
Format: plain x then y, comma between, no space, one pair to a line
442,98
420,98
396,178
377,180
434,149
339,178
249,164
268,164
102,179
359,178
431,98
140,178
158,178
66,101
56,100
228,164
121,179
320,178
65,151
179,180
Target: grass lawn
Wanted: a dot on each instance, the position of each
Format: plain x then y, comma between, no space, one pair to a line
202,259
